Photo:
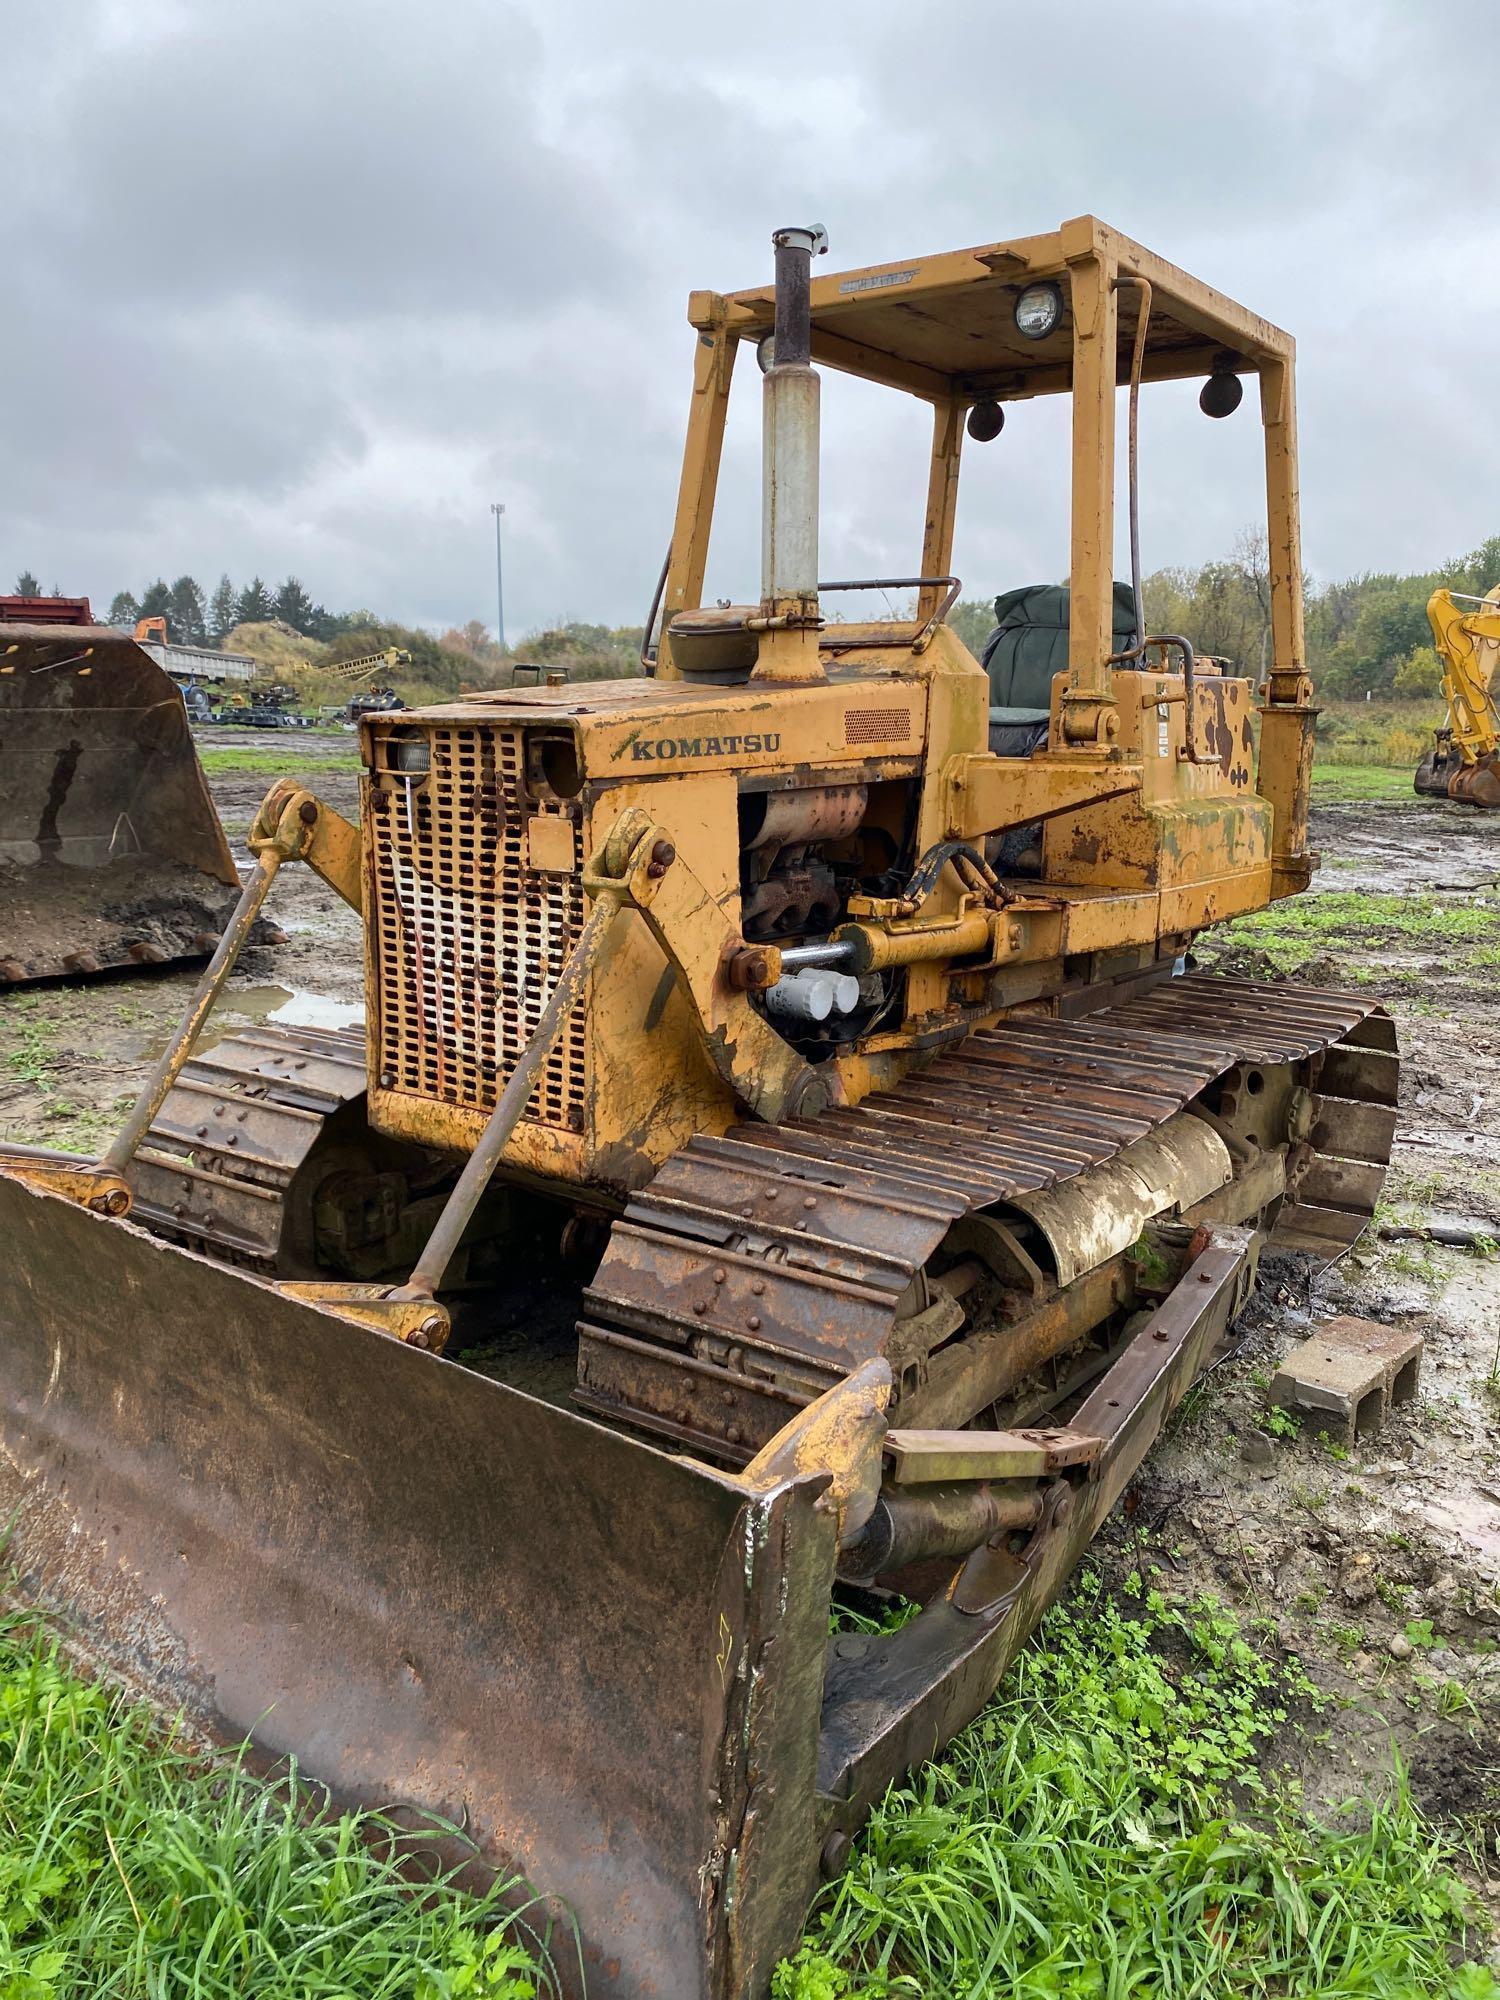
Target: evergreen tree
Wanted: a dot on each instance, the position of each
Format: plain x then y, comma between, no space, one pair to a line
221,612
157,603
187,616
294,607
123,611
253,606
27,585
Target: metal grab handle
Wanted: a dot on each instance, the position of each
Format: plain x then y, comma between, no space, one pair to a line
925,630
1189,683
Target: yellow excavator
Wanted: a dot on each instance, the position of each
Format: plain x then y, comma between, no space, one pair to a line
1464,761
791,1159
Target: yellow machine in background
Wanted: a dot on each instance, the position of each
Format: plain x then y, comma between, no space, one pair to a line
1464,761
794,1061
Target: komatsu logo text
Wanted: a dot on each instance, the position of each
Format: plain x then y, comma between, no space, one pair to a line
666,749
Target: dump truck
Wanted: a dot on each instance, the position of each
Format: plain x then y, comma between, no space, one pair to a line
1464,761
190,665
111,852
792,1159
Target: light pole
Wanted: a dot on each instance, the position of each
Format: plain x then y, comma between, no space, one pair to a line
497,509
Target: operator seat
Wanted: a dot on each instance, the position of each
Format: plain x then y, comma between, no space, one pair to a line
1028,646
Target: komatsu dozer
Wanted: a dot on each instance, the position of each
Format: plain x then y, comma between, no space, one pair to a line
1464,761
791,1158
111,852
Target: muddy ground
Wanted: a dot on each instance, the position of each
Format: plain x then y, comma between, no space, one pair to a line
1380,1566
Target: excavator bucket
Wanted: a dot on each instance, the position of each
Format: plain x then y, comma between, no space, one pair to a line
604,1664
111,852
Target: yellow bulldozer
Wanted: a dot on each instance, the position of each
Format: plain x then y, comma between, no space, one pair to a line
1464,761
791,1158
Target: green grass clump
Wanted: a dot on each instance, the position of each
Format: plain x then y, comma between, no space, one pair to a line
1103,1831
1341,784
1300,928
131,1866
276,763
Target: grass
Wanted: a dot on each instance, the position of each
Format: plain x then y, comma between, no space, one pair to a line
1356,784
275,763
131,1866
1103,1830
1396,733
1301,928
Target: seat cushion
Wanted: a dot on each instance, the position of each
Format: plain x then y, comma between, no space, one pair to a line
1029,644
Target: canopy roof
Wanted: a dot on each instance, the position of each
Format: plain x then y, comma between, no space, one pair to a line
945,325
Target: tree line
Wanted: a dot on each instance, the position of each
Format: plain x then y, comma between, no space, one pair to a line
196,617
1366,635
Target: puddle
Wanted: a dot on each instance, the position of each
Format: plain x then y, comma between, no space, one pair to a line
294,1008
1473,1516
249,1006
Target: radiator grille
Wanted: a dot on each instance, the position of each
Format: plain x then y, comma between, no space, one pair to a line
468,941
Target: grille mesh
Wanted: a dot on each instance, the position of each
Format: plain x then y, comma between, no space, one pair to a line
468,941
877,725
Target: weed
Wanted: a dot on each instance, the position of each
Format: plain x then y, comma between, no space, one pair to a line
1419,1633
1333,1446
1276,1422
1292,932
35,1057
133,1866
1348,1638
1103,1830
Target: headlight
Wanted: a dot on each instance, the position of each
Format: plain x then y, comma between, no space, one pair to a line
765,352
1038,310
411,754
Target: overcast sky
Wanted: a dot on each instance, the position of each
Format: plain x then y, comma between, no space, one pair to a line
303,285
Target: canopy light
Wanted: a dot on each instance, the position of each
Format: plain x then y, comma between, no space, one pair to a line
1223,392
1038,310
765,352
986,420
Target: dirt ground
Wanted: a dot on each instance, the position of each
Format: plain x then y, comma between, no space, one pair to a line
1380,1567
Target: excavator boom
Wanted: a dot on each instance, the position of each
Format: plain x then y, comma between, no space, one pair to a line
1464,762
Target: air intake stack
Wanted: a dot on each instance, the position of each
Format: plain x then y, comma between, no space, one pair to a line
789,497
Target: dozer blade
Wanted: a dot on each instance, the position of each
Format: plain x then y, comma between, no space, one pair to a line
111,852
603,1663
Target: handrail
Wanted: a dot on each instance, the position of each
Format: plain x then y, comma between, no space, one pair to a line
924,631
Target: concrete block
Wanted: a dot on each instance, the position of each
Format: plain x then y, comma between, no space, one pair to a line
1345,1379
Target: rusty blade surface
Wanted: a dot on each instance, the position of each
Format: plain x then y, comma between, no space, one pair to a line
604,1662
105,814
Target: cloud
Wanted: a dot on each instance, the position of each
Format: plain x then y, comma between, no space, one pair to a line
305,287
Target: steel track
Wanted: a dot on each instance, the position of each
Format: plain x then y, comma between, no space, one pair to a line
217,1170
758,1268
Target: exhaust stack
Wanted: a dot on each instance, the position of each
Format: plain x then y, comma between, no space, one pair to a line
789,493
